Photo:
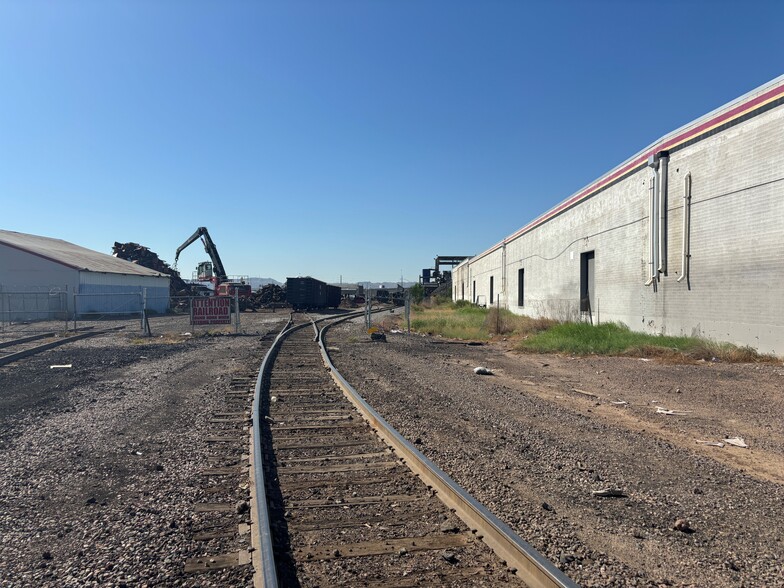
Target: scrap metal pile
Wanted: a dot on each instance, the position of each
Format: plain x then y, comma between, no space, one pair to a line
267,295
140,254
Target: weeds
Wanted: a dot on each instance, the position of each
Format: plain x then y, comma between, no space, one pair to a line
504,322
615,339
447,320
463,320
606,339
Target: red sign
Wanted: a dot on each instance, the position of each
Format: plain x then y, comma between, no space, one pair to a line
212,310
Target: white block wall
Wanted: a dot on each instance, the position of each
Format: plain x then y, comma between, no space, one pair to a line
735,290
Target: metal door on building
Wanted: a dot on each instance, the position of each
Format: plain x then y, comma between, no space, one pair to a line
587,297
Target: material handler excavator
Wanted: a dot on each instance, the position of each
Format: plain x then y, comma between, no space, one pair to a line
214,271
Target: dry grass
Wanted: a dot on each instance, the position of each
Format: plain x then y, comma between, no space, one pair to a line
504,322
726,352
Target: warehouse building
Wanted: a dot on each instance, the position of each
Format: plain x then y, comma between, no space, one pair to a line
686,237
44,278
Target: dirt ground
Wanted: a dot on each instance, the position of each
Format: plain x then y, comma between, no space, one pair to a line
536,438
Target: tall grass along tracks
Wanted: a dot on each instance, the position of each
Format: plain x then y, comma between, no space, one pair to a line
341,498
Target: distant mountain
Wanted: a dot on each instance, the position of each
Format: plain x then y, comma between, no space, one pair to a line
259,282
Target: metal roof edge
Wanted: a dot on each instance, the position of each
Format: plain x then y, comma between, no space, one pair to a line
41,255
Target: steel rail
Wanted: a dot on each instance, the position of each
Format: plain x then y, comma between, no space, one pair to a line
39,348
530,565
38,337
267,576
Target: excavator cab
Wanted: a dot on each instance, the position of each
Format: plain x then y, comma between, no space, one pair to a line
204,271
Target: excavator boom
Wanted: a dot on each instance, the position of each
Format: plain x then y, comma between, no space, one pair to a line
209,247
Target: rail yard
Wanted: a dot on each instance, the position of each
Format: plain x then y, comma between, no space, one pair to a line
127,463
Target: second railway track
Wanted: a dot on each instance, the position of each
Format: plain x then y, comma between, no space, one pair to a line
343,506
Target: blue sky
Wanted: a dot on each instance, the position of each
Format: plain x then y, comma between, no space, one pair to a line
345,137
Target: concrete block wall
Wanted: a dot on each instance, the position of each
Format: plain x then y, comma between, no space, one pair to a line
735,288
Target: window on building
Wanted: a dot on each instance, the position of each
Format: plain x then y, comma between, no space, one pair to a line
462,290
520,287
473,293
491,290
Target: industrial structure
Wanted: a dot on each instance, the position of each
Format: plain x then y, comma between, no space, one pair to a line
434,278
686,237
43,278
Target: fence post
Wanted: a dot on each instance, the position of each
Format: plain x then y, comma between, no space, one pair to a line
74,310
64,305
498,314
145,321
408,312
237,310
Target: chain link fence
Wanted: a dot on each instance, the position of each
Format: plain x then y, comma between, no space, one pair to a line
28,310
34,310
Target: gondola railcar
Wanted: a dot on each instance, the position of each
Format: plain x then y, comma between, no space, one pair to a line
334,296
311,294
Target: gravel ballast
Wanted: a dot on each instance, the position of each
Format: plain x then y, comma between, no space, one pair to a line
102,461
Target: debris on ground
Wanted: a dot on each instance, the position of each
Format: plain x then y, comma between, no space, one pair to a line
64,366
667,411
711,443
609,493
736,442
585,393
683,526
482,371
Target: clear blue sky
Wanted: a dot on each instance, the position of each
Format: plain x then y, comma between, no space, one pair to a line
336,137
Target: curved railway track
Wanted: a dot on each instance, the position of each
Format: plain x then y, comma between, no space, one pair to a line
343,499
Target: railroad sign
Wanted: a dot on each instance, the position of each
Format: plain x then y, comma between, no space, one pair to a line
212,310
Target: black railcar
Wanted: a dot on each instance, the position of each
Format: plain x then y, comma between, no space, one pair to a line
334,296
306,293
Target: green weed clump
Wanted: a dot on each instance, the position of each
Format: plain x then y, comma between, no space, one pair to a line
606,339
451,321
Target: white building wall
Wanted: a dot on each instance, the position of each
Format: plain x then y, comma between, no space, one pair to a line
21,271
33,287
735,290
121,293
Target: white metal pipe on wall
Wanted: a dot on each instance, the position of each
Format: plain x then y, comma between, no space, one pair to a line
686,222
653,216
664,160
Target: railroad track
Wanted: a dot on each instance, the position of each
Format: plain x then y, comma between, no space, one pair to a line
16,349
347,501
